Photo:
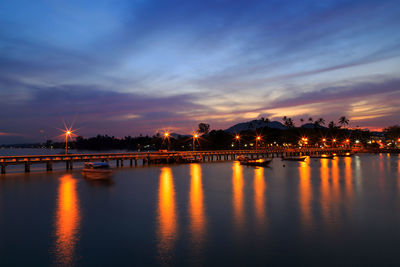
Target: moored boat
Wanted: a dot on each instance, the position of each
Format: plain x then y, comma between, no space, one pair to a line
257,162
302,158
242,158
323,156
347,154
96,170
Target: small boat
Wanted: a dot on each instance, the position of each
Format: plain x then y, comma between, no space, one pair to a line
302,158
256,162
242,158
323,156
190,160
96,170
347,154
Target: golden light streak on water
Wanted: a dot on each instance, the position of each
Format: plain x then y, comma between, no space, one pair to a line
325,190
259,195
305,193
238,184
67,221
167,216
335,186
196,205
348,176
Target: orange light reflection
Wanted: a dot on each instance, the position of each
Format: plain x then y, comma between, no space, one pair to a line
325,190
196,205
259,195
238,183
305,193
167,215
67,221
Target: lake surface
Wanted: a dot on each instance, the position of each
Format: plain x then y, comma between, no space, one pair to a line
344,211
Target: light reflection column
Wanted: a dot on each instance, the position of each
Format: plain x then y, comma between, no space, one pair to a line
348,176
167,216
335,186
197,218
238,183
196,207
325,190
259,195
67,221
305,193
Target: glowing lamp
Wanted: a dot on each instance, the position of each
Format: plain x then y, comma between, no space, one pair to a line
323,140
237,137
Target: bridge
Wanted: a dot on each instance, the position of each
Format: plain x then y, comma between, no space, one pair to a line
143,158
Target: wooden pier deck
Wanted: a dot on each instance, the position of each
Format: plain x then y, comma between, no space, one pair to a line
143,158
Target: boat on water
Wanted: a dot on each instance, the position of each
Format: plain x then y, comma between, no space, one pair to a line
96,170
347,154
323,156
242,158
257,162
189,160
302,158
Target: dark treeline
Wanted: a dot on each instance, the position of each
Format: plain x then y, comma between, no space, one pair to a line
219,139
315,136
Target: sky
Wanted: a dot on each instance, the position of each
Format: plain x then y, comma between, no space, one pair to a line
139,67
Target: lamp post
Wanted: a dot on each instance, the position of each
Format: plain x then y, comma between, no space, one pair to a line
258,139
237,137
166,136
67,134
195,136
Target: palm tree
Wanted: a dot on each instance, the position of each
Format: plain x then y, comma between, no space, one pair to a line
310,119
301,120
343,121
321,121
331,125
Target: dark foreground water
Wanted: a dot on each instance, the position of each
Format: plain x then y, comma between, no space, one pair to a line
344,211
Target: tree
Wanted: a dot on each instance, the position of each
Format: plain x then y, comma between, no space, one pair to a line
392,132
321,121
301,120
331,125
343,121
310,119
204,128
288,122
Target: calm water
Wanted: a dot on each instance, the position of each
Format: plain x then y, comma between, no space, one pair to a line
322,212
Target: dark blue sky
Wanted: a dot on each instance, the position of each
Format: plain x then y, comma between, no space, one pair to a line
129,67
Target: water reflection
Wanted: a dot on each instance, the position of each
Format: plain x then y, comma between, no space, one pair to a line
196,208
259,195
348,176
67,221
167,216
325,190
305,193
238,183
335,186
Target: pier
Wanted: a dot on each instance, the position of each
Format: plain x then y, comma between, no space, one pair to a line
146,158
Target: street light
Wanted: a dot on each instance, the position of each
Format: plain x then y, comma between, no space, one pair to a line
166,136
258,139
237,137
67,134
195,136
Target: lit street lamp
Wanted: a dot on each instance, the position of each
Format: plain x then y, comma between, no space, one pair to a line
195,136
237,137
